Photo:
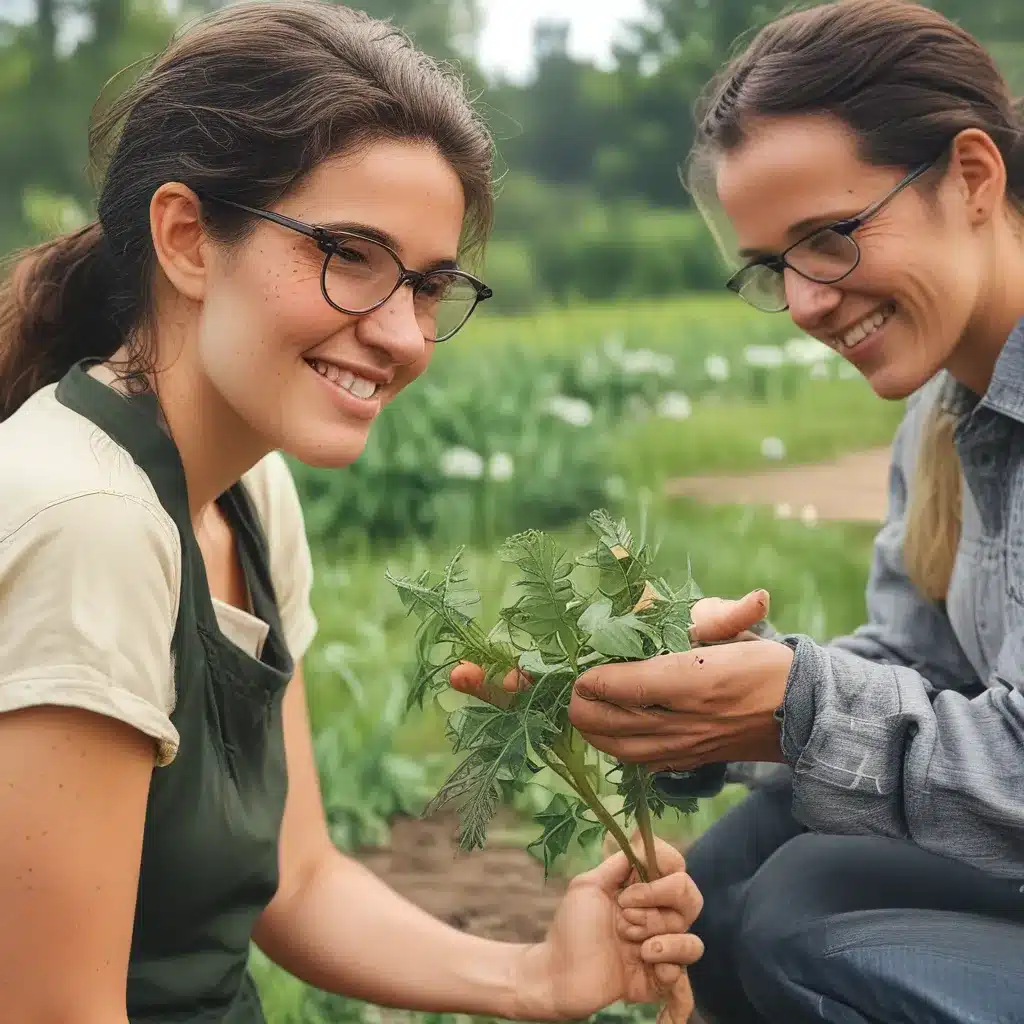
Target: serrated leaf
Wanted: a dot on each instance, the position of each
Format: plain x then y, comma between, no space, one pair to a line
561,819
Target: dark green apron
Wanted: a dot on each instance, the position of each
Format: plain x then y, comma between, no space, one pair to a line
210,849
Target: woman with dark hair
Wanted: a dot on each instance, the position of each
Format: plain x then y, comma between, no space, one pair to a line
862,164
287,192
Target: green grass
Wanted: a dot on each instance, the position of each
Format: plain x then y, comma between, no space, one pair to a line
700,323
825,418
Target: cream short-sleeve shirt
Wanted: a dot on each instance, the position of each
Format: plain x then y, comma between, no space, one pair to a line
90,572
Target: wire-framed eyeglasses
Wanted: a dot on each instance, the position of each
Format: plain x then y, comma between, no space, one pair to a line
824,256
360,274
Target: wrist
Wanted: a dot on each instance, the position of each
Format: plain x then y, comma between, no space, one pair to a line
533,996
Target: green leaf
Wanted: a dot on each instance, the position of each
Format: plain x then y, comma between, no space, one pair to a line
616,637
561,819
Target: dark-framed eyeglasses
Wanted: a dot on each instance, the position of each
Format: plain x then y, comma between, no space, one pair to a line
360,274
824,256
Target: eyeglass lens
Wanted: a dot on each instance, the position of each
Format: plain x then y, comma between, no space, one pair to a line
360,274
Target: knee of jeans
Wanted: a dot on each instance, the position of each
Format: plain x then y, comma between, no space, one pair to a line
775,942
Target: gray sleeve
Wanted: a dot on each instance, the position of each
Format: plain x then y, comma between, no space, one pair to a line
882,731
903,627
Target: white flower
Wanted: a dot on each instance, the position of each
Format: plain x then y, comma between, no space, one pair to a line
767,357
501,467
717,367
773,448
809,515
783,511
674,406
643,360
807,351
819,371
462,464
574,411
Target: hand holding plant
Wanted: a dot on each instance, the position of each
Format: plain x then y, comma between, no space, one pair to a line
602,607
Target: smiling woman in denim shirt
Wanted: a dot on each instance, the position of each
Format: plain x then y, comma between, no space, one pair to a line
862,163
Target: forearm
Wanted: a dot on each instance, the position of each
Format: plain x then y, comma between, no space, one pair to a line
876,750
348,933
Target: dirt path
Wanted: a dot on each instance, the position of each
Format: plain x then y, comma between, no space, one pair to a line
851,488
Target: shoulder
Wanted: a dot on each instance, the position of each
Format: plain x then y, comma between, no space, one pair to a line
272,488
51,455
90,574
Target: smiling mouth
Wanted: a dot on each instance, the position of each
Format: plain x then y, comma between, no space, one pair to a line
348,381
851,338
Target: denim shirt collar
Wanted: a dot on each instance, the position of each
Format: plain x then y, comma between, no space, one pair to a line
1005,394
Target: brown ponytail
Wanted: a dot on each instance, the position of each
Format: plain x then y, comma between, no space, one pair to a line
54,310
932,522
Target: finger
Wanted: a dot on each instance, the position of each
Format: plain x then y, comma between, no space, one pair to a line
676,891
517,680
611,720
646,924
669,857
615,871
681,948
466,677
667,975
635,685
715,619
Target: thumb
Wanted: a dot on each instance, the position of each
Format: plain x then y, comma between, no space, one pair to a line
724,620
613,872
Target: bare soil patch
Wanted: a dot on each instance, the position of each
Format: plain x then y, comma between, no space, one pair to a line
497,893
851,488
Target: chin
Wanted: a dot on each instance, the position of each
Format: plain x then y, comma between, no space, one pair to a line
335,452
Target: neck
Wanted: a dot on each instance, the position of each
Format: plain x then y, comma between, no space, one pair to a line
999,310
215,446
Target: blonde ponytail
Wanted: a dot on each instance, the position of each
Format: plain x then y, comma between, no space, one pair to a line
933,518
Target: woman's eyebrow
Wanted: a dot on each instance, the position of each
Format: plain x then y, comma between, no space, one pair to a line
376,235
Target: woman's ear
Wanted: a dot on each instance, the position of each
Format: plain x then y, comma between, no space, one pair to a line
980,174
179,241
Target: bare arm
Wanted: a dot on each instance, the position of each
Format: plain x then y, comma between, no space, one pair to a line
337,926
73,790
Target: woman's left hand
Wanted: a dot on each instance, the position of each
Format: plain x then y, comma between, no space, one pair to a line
708,705
615,939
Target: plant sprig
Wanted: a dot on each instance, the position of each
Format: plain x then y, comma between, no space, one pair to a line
571,614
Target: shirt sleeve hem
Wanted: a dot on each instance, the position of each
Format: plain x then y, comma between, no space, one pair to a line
99,697
301,634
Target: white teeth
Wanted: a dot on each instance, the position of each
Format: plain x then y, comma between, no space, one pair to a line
358,386
856,334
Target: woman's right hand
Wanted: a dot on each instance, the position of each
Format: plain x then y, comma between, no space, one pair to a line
715,620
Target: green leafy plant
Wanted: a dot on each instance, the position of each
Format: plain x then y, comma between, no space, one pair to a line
571,614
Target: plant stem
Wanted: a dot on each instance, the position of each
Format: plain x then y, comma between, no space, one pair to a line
643,821
579,781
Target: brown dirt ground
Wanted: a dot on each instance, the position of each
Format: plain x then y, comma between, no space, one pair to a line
497,893
851,488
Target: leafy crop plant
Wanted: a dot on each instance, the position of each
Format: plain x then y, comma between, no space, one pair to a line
572,613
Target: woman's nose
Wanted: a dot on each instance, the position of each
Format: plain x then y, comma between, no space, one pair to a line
809,301
394,328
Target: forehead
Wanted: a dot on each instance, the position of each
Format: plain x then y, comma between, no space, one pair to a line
789,170
405,189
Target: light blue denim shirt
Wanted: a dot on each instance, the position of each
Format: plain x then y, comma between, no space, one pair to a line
913,726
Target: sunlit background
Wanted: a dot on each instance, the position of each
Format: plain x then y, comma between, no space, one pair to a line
609,370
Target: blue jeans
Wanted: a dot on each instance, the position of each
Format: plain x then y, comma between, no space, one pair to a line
848,929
